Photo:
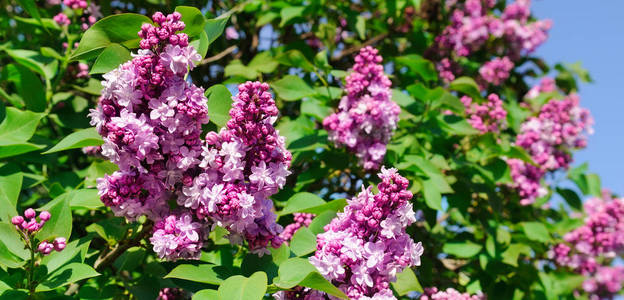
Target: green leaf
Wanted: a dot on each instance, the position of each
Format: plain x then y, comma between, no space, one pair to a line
291,88
205,273
98,169
68,274
571,198
466,249
360,26
214,27
301,201
31,7
121,29
82,138
303,242
318,223
16,128
299,271
510,256
593,185
206,294
85,198
30,88
294,58
219,104
466,85
10,187
60,223
36,62
334,205
242,288
193,19
11,239
433,198
406,282
536,231
112,56
420,66
45,22
455,125
290,12
201,44
402,99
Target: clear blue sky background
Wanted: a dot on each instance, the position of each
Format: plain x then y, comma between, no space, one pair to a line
592,32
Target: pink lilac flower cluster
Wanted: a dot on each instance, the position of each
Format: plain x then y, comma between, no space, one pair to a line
486,117
473,26
449,294
589,248
446,70
497,70
300,220
27,230
366,116
89,13
177,237
242,166
364,247
561,126
172,294
75,4
150,119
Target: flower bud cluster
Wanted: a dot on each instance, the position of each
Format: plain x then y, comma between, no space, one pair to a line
300,220
449,294
28,226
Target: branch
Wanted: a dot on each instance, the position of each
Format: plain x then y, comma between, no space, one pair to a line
218,56
357,48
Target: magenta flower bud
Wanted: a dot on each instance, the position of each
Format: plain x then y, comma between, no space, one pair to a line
30,213
44,216
17,220
59,244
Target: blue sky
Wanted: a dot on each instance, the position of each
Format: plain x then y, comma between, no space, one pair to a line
591,32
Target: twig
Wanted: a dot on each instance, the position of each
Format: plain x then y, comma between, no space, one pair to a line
218,56
357,48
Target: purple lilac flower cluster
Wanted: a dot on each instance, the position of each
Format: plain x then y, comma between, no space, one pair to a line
366,116
497,70
486,117
546,85
177,237
150,119
242,166
300,220
27,230
590,248
364,247
472,27
561,126
450,294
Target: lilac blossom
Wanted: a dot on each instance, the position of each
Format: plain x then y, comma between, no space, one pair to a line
589,249
178,237
366,116
497,70
364,247
486,117
241,167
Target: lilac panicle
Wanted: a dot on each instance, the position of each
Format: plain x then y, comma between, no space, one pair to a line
366,116
364,247
242,165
